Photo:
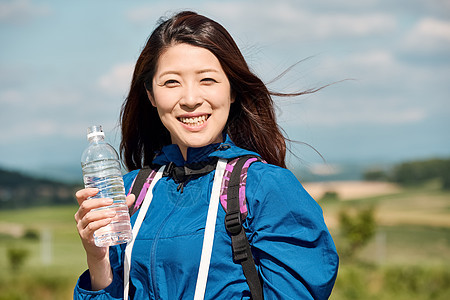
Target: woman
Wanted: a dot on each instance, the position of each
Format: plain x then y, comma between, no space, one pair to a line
193,99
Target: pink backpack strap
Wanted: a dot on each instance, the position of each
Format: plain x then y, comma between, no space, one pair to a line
142,182
236,211
140,185
243,180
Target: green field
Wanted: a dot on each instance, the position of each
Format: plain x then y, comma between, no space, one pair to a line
42,276
407,259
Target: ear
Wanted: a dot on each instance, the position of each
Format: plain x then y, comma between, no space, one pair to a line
150,97
232,97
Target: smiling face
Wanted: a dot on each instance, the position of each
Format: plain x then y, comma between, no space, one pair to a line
192,95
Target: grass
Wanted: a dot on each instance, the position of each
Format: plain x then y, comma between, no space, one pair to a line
400,282
39,277
408,259
408,245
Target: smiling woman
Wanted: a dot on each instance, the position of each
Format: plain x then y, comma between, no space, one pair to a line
192,95
251,121
194,115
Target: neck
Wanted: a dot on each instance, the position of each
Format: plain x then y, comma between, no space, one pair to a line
183,151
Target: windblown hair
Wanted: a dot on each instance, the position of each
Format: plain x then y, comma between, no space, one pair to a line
251,123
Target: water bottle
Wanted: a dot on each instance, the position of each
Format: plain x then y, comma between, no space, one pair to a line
101,169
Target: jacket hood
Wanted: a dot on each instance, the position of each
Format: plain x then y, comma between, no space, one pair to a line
226,150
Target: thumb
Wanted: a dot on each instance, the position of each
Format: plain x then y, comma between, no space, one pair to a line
130,200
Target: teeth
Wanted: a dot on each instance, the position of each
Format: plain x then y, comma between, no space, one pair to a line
195,121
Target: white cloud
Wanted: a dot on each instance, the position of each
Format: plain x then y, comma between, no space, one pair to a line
272,21
332,25
368,115
325,169
31,114
339,111
19,11
429,35
141,14
282,20
117,80
386,90
376,58
375,66
8,97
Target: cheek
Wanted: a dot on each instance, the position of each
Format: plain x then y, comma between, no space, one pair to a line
163,102
223,97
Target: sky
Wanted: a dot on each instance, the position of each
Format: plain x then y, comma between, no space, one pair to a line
67,65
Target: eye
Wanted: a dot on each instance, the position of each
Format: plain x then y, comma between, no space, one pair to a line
171,83
208,81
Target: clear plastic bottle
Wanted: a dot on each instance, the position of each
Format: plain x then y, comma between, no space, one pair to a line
101,169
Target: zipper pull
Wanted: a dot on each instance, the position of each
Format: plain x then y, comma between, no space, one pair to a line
180,187
223,147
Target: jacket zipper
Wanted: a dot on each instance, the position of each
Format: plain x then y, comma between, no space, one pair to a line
153,251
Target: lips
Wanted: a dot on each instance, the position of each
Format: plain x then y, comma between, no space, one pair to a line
194,121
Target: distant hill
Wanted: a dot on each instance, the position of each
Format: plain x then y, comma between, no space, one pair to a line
18,190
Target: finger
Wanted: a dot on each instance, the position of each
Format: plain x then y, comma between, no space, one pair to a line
83,194
96,218
87,233
87,205
130,200
96,203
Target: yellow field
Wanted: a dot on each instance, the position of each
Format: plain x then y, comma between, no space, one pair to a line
394,205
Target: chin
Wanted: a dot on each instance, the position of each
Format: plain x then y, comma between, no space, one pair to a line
197,145
194,143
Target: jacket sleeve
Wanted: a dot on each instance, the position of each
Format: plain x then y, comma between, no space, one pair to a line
293,249
115,289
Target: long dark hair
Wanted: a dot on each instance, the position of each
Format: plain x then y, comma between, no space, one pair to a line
251,123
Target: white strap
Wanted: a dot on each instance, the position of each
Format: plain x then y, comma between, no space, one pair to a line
207,240
209,231
137,225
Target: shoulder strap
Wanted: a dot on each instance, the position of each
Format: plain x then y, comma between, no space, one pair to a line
233,223
137,225
141,185
140,180
242,172
210,228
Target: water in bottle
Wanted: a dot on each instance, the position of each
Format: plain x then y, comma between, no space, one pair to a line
101,169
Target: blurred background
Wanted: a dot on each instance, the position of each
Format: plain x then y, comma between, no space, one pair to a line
381,127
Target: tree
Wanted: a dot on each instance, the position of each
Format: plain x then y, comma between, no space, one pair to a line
375,175
419,172
357,227
17,257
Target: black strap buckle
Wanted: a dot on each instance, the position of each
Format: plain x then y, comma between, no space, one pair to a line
233,222
240,251
168,169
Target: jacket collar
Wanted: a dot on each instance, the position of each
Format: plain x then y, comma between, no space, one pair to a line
226,150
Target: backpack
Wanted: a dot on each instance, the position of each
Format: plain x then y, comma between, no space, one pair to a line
232,199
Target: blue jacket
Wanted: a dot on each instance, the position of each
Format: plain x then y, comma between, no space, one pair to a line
293,250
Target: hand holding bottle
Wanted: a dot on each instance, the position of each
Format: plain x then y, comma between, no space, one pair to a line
90,218
101,170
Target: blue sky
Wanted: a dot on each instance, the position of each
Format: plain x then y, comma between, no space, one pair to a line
67,65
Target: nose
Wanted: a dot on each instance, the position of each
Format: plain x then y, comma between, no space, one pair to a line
191,97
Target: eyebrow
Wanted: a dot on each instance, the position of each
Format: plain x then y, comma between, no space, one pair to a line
202,71
207,71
